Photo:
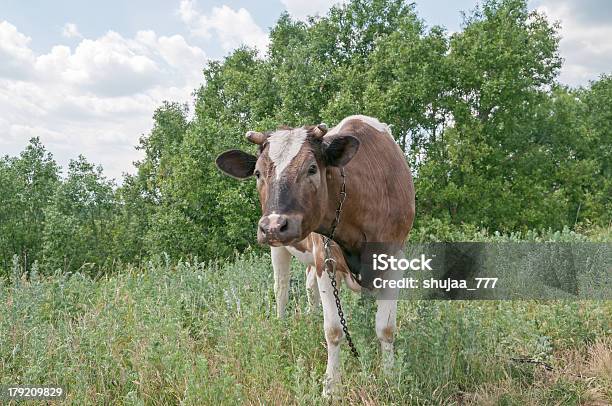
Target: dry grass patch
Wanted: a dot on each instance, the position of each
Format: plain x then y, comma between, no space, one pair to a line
586,374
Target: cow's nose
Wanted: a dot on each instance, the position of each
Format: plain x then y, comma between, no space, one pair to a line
278,229
273,224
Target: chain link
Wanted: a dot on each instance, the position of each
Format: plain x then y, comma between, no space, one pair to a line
330,265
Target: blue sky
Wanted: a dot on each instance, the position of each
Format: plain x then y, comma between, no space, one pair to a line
86,76
43,20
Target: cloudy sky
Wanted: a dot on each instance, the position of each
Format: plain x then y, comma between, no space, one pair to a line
85,77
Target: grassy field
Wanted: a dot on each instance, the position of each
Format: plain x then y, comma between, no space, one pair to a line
206,334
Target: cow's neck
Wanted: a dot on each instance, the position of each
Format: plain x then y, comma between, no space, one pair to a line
347,235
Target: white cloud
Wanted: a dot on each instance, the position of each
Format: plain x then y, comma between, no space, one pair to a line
585,44
15,55
301,9
109,66
187,11
232,27
70,30
96,98
176,51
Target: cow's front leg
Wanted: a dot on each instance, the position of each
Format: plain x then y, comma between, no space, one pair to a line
312,289
386,315
333,335
281,263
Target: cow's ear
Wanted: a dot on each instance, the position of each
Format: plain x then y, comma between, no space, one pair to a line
340,150
236,163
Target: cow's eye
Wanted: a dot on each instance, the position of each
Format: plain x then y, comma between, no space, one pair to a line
257,173
312,169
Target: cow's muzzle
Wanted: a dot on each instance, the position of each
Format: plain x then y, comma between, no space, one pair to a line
279,229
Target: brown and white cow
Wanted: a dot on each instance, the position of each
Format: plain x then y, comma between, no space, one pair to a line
299,181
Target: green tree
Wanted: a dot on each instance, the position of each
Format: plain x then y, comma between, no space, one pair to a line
78,231
134,210
503,63
27,184
596,203
170,123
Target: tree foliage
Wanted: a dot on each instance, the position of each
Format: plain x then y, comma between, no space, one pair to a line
27,184
79,221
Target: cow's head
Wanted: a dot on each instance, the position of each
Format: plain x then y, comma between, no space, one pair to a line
291,172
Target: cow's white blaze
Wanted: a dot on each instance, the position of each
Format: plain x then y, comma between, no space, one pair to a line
284,146
371,121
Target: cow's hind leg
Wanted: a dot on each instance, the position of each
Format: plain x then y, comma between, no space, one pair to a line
312,289
386,318
333,335
281,263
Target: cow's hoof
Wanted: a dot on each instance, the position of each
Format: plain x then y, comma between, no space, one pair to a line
331,387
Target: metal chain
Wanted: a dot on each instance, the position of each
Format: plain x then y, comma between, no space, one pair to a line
330,265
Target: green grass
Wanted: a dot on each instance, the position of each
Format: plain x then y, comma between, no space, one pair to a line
207,334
